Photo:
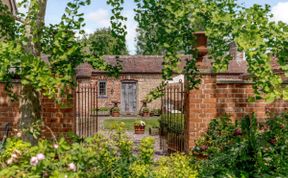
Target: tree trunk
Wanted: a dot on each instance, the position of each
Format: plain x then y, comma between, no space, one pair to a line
30,110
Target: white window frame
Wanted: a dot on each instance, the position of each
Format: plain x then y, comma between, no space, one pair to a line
99,94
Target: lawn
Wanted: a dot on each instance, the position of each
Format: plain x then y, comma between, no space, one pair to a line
129,122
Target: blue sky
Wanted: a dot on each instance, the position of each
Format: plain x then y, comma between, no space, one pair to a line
98,13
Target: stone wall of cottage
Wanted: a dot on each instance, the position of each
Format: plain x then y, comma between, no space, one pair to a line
60,119
145,83
215,98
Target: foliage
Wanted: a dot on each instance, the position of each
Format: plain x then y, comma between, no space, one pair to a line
225,22
103,109
157,112
97,156
172,122
244,149
101,42
145,109
118,27
45,58
129,123
115,109
139,123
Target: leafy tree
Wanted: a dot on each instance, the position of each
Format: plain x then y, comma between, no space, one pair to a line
101,42
24,40
224,22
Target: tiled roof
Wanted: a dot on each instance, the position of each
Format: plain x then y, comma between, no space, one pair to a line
141,64
152,65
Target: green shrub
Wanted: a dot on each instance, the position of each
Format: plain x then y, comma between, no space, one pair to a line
172,122
103,109
145,109
244,149
96,156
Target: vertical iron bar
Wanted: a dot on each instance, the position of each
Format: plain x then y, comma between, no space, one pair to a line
89,111
96,91
96,113
177,125
174,117
78,109
85,109
94,108
182,115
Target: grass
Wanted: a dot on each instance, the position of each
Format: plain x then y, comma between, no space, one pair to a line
129,123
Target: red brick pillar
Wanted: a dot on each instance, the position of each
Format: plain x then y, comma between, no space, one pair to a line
201,108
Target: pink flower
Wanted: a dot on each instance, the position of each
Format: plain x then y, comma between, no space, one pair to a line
72,167
34,161
56,146
40,156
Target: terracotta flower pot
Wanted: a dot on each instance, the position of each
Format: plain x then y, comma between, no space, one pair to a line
139,129
146,114
115,114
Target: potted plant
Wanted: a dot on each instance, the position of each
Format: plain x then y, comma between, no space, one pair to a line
115,112
157,112
145,112
103,111
139,127
154,130
152,114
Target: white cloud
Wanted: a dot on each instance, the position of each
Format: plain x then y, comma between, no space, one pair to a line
131,30
280,12
88,31
101,17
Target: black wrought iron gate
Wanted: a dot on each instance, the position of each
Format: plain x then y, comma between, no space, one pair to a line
172,118
86,109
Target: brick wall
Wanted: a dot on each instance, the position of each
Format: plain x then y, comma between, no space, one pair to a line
201,107
58,118
9,110
215,98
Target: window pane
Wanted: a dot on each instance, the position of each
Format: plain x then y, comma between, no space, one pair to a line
102,88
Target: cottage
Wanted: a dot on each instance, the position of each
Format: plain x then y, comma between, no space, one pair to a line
139,76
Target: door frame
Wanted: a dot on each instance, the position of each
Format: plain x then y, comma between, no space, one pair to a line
136,96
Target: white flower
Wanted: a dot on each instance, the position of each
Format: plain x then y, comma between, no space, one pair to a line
142,123
72,167
56,146
19,134
10,161
14,156
40,156
34,161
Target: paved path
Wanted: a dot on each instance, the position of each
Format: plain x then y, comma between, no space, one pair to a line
136,138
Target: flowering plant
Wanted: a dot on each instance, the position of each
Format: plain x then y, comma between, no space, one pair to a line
96,156
139,123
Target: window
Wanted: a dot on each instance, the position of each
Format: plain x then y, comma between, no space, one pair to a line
102,88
